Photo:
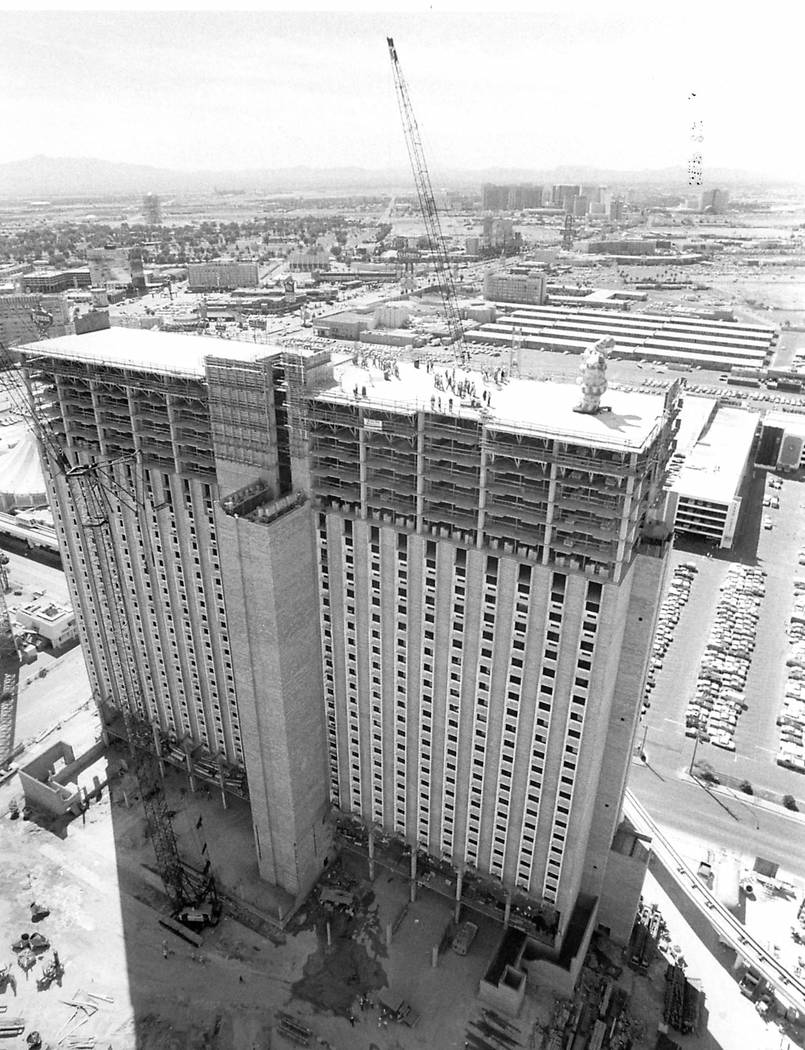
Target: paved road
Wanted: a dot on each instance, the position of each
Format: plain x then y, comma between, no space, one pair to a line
679,805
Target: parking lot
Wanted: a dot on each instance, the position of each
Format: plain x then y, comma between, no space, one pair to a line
756,736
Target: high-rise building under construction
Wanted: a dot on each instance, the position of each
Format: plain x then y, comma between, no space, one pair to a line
418,595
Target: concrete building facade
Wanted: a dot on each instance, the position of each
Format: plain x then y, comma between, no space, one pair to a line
54,280
211,276
115,267
515,288
488,599
222,671
27,317
372,594
782,442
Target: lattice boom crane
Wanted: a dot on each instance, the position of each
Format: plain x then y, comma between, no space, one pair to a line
427,204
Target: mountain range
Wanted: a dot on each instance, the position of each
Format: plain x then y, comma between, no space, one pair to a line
44,176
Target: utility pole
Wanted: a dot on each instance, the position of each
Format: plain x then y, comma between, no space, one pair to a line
693,756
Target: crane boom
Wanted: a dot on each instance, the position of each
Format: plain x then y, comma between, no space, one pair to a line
9,675
427,205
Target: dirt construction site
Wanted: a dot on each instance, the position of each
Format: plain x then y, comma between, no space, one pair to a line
125,982
92,967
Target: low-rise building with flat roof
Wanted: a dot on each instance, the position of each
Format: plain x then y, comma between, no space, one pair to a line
684,338
55,622
782,442
55,280
346,325
704,498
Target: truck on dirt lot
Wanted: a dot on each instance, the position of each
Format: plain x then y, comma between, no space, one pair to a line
464,937
751,983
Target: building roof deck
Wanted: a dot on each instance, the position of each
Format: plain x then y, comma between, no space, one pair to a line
138,350
714,468
527,405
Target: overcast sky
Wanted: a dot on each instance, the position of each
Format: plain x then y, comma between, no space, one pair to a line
270,89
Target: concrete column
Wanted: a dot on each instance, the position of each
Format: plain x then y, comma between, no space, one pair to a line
190,774
362,469
481,492
420,469
623,525
371,855
388,935
175,447
549,515
96,408
507,910
459,887
224,802
158,750
413,875
434,956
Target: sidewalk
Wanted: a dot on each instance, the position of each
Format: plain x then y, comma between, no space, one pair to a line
748,800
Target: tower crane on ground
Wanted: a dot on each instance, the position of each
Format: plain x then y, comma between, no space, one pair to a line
567,233
97,491
9,673
430,214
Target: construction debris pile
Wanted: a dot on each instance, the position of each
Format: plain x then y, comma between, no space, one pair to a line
492,1032
674,602
719,700
682,1005
30,949
597,1019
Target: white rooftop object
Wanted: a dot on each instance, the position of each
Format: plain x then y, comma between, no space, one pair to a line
593,376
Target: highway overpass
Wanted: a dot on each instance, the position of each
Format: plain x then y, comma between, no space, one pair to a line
788,989
36,536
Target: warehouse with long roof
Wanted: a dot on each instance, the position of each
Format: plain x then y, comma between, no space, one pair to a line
701,341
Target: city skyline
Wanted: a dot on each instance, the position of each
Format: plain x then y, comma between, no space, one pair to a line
277,90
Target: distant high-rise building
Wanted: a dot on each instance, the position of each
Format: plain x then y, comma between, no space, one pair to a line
562,193
498,233
514,197
617,209
715,201
494,198
152,209
115,267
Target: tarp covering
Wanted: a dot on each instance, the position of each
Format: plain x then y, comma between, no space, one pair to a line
20,470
